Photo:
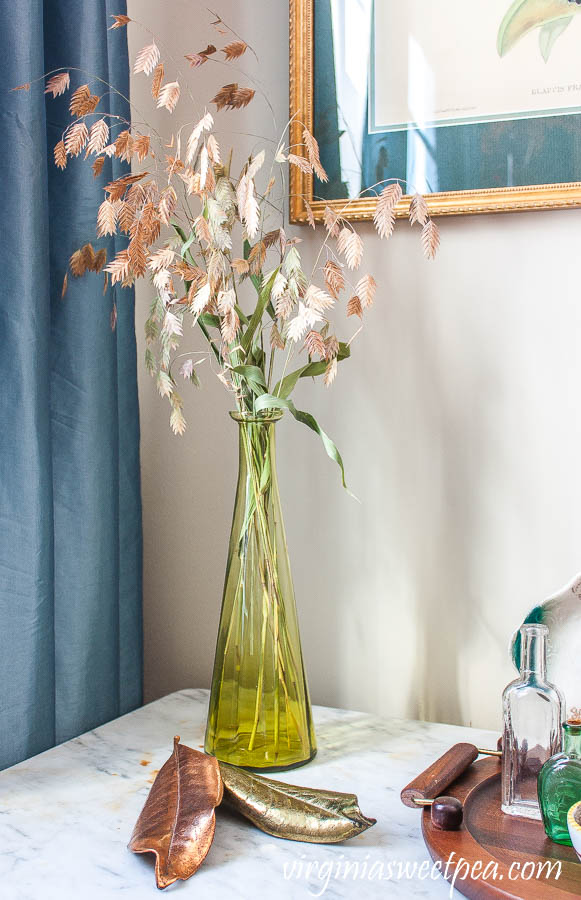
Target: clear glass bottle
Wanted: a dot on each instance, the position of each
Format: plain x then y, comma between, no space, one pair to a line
560,784
533,711
260,713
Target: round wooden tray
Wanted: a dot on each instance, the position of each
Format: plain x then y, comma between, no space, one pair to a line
490,837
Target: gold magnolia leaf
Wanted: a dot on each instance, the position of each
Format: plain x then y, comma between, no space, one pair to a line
178,821
291,812
525,15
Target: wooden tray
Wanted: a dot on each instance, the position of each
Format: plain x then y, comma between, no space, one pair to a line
489,836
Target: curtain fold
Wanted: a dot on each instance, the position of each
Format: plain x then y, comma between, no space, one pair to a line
70,514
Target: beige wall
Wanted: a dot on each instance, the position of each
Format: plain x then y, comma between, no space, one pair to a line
458,419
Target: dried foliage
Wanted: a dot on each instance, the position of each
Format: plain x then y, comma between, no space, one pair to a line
203,233
120,21
198,59
83,101
301,163
313,154
58,84
234,50
106,218
418,210
384,217
233,97
60,155
354,307
141,146
330,373
350,245
168,96
334,278
156,81
310,214
315,344
76,139
365,290
98,136
332,221
430,239
147,59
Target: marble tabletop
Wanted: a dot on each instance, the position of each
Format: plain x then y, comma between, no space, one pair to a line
66,815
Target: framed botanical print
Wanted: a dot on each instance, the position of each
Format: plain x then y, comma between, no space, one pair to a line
475,105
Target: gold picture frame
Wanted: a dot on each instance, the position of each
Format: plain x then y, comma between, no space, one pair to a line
452,203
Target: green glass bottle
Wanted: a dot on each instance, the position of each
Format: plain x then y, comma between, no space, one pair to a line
559,784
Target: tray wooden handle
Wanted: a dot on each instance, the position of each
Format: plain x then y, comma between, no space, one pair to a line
436,778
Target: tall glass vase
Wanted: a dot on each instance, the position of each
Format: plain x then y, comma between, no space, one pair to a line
260,712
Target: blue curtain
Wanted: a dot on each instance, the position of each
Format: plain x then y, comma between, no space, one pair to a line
70,516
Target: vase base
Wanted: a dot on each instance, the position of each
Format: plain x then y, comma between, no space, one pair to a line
237,759
296,765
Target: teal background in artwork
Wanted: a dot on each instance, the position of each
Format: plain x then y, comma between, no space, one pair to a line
502,154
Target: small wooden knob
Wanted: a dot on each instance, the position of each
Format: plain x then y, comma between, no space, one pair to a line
447,813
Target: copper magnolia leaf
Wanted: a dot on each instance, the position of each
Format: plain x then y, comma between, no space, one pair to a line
294,813
177,822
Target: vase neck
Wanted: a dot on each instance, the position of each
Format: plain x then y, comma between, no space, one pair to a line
257,454
533,653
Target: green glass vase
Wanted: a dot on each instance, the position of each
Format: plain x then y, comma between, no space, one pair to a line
260,713
559,784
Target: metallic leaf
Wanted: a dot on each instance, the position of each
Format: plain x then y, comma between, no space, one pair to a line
294,813
177,822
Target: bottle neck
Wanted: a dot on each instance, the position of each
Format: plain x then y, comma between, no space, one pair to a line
533,653
572,740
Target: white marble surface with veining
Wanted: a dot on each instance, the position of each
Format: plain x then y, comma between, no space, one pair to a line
66,815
